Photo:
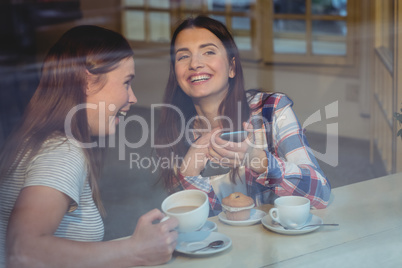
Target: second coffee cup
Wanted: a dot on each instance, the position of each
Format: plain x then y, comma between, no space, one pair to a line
189,207
291,211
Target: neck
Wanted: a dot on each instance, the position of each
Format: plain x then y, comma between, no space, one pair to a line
208,109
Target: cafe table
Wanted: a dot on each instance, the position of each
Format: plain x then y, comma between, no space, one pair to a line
369,234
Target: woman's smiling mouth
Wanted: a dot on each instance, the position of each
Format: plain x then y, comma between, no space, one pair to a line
199,78
122,113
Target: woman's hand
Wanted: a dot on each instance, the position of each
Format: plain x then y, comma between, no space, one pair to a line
154,243
236,154
196,157
37,214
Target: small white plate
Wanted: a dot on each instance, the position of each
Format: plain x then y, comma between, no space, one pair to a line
255,216
188,247
276,227
209,226
199,235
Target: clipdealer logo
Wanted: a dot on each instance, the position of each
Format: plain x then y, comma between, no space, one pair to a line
330,156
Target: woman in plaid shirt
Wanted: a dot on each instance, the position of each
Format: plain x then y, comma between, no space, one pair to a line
206,84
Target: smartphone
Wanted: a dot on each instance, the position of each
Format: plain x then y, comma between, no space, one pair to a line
213,169
236,136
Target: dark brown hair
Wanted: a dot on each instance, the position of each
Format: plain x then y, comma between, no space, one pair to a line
170,121
63,86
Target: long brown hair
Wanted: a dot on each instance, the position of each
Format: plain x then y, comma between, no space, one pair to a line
170,121
61,88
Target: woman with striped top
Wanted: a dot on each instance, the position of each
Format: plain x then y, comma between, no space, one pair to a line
50,210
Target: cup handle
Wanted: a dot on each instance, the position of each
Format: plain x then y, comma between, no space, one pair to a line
273,212
164,219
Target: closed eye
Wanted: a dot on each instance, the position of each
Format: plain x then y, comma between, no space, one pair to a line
129,78
128,84
181,57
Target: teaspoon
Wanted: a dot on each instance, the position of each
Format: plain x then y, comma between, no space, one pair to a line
311,225
214,244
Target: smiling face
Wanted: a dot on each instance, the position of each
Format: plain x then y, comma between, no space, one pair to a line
201,65
110,97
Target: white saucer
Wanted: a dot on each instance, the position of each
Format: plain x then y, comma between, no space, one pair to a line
255,216
199,235
187,247
209,226
276,227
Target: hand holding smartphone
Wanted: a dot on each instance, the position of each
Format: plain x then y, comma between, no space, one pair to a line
236,136
214,169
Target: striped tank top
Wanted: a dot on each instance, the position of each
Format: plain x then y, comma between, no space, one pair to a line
62,166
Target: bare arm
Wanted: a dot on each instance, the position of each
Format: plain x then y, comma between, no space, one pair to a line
39,211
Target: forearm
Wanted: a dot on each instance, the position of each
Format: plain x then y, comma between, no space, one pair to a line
50,251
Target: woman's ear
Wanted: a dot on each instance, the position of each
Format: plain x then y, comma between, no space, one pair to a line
87,87
95,82
90,79
232,72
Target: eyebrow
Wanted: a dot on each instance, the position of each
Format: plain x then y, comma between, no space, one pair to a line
201,46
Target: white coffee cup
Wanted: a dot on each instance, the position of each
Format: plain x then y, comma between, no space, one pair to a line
291,211
190,220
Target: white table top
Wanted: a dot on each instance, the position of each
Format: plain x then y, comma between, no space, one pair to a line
369,215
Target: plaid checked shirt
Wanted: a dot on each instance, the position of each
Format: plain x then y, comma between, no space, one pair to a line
292,167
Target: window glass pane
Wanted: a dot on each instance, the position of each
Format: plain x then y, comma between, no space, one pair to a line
290,6
219,18
385,34
187,15
134,21
159,26
290,36
216,5
241,27
241,5
159,3
329,37
243,42
241,23
193,4
134,3
329,7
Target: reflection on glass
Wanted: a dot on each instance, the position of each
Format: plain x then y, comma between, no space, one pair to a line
329,7
289,6
134,21
159,3
159,26
290,36
134,3
329,37
241,23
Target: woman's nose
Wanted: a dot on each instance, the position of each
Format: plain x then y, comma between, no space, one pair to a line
196,63
131,97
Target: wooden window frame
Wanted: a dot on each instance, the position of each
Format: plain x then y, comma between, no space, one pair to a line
269,56
179,11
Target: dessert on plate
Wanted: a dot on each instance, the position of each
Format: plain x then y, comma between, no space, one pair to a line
237,206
